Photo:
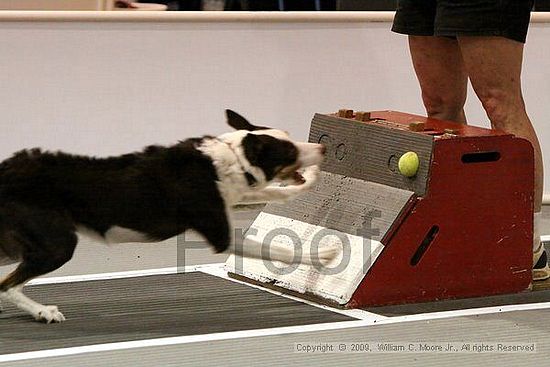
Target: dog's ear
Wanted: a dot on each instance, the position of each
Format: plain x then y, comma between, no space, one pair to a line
238,122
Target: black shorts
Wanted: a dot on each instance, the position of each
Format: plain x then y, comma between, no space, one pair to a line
452,18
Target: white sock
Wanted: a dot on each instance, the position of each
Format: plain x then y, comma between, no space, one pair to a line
536,231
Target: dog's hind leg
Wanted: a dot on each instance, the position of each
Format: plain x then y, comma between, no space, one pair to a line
44,253
38,311
5,259
11,287
11,291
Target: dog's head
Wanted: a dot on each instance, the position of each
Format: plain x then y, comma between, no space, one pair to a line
271,150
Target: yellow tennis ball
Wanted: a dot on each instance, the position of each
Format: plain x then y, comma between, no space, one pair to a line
408,164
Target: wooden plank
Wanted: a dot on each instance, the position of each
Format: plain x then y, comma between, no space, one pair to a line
346,204
542,286
370,151
338,210
334,282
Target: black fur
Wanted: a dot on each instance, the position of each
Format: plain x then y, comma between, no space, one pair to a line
269,153
161,191
238,122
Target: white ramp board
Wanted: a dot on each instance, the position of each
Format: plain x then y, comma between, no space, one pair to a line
341,211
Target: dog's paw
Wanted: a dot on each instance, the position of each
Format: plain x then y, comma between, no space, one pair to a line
49,314
326,254
322,256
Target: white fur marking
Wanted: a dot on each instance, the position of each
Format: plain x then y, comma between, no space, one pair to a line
114,235
309,154
118,234
284,193
228,160
89,233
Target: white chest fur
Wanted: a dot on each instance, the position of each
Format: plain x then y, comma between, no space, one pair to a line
232,182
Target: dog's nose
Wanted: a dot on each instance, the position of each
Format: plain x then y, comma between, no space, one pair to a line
323,149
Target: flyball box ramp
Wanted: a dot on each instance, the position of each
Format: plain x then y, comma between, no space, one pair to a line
461,227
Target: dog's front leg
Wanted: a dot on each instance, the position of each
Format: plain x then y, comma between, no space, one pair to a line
254,247
269,194
38,311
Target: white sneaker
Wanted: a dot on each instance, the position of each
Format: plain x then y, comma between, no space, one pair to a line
541,270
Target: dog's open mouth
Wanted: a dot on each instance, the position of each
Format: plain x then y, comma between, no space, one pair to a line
298,178
292,175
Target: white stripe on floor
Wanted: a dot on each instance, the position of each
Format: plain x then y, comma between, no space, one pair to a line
220,272
119,275
173,341
180,340
365,318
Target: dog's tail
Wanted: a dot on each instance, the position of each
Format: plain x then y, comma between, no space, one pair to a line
253,247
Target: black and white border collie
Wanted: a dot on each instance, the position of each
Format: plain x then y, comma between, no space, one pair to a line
149,196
